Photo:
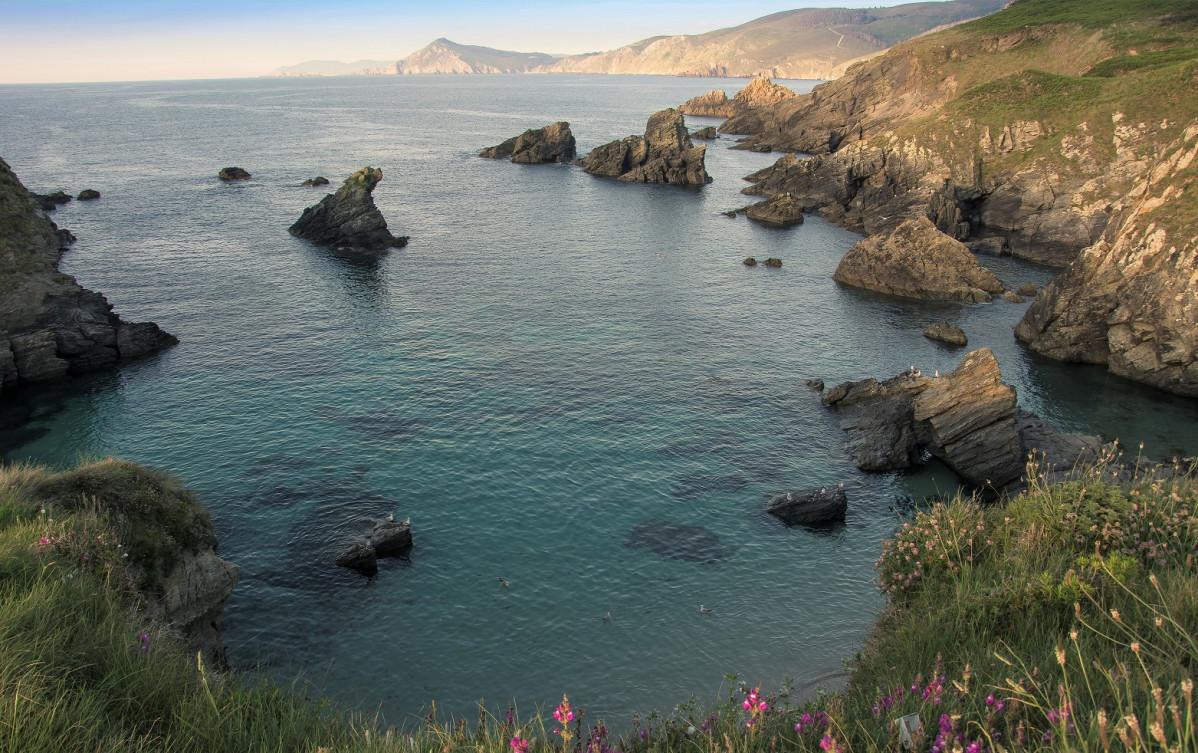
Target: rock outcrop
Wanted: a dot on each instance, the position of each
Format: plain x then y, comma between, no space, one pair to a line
760,92
233,173
348,220
780,211
946,333
809,506
553,143
319,180
917,261
967,418
387,538
706,134
49,325
88,194
664,154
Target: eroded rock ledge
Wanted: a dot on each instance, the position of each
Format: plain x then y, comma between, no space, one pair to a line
50,326
760,92
664,154
553,143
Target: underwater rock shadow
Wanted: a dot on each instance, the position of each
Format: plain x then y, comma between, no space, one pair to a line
677,542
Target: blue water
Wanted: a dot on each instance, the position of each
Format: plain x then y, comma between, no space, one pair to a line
554,360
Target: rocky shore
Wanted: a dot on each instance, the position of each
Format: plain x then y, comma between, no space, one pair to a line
665,154
50,326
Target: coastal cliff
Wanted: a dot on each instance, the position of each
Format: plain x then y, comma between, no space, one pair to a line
1060,134
50,325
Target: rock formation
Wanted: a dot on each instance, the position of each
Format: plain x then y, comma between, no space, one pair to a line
780,211
49,325
88,194
319,180
917,261
387,538
759,93
944,332
706,134
348,220
809,506
664,155
553,143
772,262
233,173
750,262
967,418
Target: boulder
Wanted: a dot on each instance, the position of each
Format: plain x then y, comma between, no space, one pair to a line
1011,296
1028,290
750,262
359,556
707,133
772,262
233,173
348,220
809,506
664,154
761,92
917,261
319,180
553,143
390,538
994,246
88,194
780,211
944,332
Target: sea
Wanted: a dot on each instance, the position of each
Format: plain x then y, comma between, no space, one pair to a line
572,386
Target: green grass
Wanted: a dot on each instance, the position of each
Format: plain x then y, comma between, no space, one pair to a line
1090,14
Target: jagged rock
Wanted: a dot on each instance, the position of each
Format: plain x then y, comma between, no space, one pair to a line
809,506
49,325
966,418
772,262
750,262
782,211
674,541
233,173
707,133
50,201
191,599
1028,290
664,155
390,538
760,92
815,384
917,261
348,220
1011,296
88,194
553,143
944,332
1055,449
359,556
319,180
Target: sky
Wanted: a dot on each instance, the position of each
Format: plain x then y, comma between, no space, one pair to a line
47,41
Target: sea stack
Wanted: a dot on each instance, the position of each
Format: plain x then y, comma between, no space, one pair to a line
348,220
664,154
553,143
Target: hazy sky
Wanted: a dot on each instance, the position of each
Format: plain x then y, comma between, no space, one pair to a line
132,40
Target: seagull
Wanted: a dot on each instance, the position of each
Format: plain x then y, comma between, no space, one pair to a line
504,583
704,609
790,496
937,373
407,522
390,518
607,617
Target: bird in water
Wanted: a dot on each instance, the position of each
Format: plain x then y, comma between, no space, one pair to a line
704,609
607,617
504,583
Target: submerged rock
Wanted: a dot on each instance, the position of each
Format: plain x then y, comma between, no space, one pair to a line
674,541
944,332
233,173
88,194
809,506
664,154
319,180
917,261
553,143
772,262
348,220
387,538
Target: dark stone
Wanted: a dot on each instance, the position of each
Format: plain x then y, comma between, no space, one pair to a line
809,506
816,384
944,332
88,194
772,262
390,538
994,246
679,542
750,262
359,556
348,220
319,180
780,211
1011,296
233,173
664,155
553,143
1028,290
707,133
49,201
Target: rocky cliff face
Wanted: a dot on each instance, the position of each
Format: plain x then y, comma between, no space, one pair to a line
761,92
49,325
348,220
664,154
444,56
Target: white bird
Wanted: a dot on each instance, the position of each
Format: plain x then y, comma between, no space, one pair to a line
607,617
390,518
937,373
504,583
704,609
790,496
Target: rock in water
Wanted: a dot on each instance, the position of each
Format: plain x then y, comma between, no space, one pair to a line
706,133
809,506
944,332
390,538
233,173
319,180
359,556
664,155
917,261
759,93
781,211
348,220
49,325
88,194
553,143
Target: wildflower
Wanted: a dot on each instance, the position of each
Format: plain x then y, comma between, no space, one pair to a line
827,743
519,745
43,541
144,640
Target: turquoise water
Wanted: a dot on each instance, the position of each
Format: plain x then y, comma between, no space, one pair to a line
553,361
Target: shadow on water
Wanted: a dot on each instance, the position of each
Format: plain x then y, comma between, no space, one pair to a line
677,542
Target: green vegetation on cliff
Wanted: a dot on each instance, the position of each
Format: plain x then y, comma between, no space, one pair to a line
1064,619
